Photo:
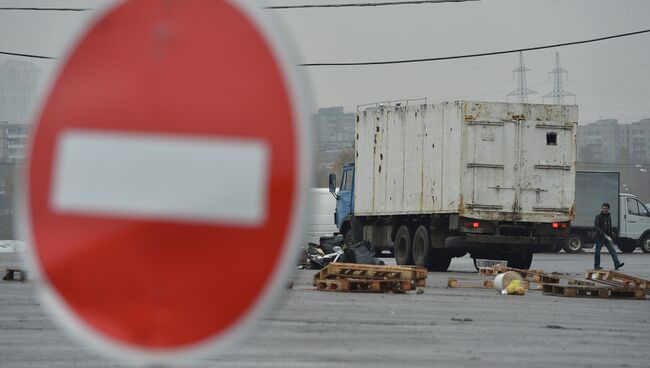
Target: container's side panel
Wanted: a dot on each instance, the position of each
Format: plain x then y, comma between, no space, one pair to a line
413,169
393,158
363,185
431,157
378,152
452,146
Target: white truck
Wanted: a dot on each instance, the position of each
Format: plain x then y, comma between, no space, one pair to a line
630,217
432,182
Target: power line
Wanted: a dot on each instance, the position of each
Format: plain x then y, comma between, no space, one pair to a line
49,9
26,55
405,61
361,5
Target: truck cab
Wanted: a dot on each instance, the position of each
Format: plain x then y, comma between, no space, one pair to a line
344,199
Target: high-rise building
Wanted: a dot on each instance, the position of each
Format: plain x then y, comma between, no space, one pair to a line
636,138
13,142
18,83
334,129
607,141
599,141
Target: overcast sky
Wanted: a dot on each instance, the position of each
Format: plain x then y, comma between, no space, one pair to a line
611,78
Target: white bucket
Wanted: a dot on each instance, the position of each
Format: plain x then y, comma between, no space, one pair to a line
504,279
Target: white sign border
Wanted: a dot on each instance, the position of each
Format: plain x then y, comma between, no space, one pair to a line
286,55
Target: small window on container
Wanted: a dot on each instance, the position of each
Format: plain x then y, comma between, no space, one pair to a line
551,139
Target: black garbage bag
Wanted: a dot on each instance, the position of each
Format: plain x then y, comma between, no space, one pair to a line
363,253
327,243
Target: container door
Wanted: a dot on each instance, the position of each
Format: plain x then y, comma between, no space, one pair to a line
546,173
491,165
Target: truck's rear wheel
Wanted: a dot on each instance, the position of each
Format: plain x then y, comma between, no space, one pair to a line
422,250
440,260
573,244
403,246
348,239
644,244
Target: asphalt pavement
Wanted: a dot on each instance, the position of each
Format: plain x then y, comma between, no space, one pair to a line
441,327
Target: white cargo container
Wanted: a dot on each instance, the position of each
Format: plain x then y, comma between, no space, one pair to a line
484,160
506,169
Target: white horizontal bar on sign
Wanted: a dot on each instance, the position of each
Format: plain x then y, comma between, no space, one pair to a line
157,176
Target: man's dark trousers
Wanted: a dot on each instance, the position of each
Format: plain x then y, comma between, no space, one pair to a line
600,241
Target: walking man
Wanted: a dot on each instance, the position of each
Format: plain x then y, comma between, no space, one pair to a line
603,224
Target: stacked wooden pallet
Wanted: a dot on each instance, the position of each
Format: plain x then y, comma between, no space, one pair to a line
606,284
593,291
617,279
351,277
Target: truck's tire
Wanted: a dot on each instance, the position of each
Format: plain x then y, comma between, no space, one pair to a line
644,243
422,250
521,260
573,244
403,246
440,260
348,238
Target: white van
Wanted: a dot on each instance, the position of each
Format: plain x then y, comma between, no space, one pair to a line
635,224
320,215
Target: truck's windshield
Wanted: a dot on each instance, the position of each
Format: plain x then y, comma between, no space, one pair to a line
634,207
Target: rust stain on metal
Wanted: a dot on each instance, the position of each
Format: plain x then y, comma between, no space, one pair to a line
470,117
518,117
572,212
461,205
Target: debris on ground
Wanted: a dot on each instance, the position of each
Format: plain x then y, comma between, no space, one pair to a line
558,327
351,277
462,319
515,287
333,249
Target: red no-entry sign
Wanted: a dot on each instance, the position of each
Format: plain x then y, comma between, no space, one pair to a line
166,176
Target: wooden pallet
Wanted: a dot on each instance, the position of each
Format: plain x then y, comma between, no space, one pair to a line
453,283
618,279
15,274
416,275
571,281
592,292
489,271
365,285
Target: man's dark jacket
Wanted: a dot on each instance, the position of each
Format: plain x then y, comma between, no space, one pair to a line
603,223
